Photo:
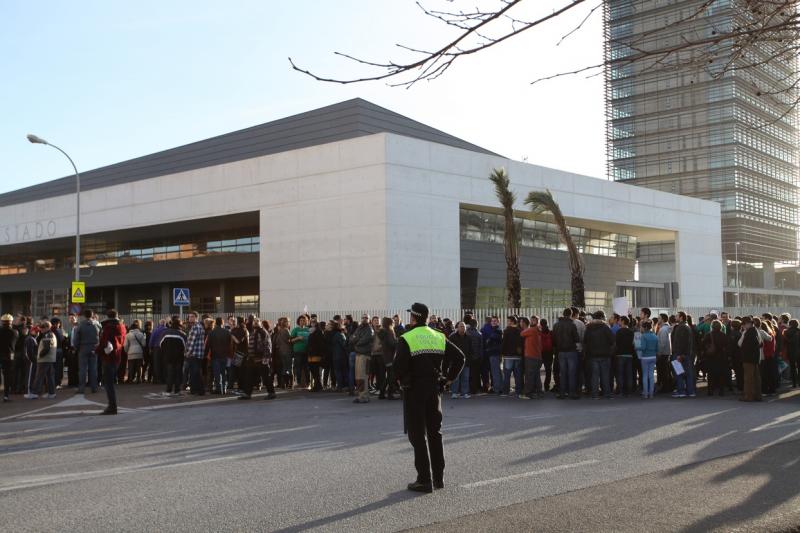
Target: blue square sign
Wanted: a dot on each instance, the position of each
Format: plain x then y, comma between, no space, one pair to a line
180,297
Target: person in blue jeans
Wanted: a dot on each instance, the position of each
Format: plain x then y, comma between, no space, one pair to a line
647,356
218,346
682,351
511,350
460,385
493,339
598,343
85,339
340,355
565,344
684,382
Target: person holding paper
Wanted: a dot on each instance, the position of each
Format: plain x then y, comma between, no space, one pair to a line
681,337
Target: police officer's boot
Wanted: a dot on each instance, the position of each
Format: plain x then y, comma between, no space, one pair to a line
438,483
418,486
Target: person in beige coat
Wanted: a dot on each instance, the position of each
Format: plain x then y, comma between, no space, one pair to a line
135,342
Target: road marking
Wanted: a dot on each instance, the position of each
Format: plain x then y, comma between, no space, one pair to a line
27,482
12,417
536,417
71,412
462,425
780,421
515,477
76,400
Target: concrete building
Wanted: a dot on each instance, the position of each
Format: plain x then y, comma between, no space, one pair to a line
710,122
350,206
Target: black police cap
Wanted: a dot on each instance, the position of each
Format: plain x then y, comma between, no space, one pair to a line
419,309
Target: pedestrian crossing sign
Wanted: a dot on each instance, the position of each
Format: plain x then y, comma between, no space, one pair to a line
180,297
78,292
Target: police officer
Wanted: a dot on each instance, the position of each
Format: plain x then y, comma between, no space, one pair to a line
8,343
425,361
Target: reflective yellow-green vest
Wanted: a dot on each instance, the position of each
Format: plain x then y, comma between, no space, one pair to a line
425,340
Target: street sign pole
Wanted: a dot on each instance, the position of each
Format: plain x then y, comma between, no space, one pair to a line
180,299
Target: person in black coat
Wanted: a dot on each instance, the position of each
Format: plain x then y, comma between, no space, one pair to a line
423,371
565,344
598,345
715,347
791,340
172,349
624,351
750,349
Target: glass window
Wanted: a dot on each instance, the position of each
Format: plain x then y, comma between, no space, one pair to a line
488,227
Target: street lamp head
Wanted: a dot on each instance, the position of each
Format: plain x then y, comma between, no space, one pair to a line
36,140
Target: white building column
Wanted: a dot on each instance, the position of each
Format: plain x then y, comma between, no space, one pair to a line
700,274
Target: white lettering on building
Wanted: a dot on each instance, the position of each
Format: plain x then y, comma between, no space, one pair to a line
27,232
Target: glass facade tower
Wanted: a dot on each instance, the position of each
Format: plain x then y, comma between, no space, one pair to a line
707,121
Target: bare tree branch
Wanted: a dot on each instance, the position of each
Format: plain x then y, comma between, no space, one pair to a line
433,64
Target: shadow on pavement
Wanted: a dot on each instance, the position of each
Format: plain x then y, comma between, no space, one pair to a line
330,520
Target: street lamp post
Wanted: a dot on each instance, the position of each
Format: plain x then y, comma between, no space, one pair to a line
38,140
736,261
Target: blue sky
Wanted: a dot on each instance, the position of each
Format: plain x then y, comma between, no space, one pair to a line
109,81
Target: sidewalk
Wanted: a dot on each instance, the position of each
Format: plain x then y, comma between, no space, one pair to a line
756,491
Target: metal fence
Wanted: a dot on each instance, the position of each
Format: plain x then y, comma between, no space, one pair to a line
549,313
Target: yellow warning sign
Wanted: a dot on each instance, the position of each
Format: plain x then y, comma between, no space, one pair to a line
78,292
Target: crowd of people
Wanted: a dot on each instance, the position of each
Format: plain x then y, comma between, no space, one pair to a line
579,355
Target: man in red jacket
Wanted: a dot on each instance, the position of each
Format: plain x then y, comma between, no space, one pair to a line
109,349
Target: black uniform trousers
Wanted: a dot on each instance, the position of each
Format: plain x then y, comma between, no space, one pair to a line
6,367
424,421
248,375
253,370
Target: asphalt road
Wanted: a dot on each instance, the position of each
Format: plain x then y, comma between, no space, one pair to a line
317,462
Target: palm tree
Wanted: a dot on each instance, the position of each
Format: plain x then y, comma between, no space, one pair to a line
506,196
543,202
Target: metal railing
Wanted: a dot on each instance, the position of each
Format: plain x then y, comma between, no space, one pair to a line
550,313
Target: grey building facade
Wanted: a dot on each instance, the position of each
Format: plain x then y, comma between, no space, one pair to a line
696,122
